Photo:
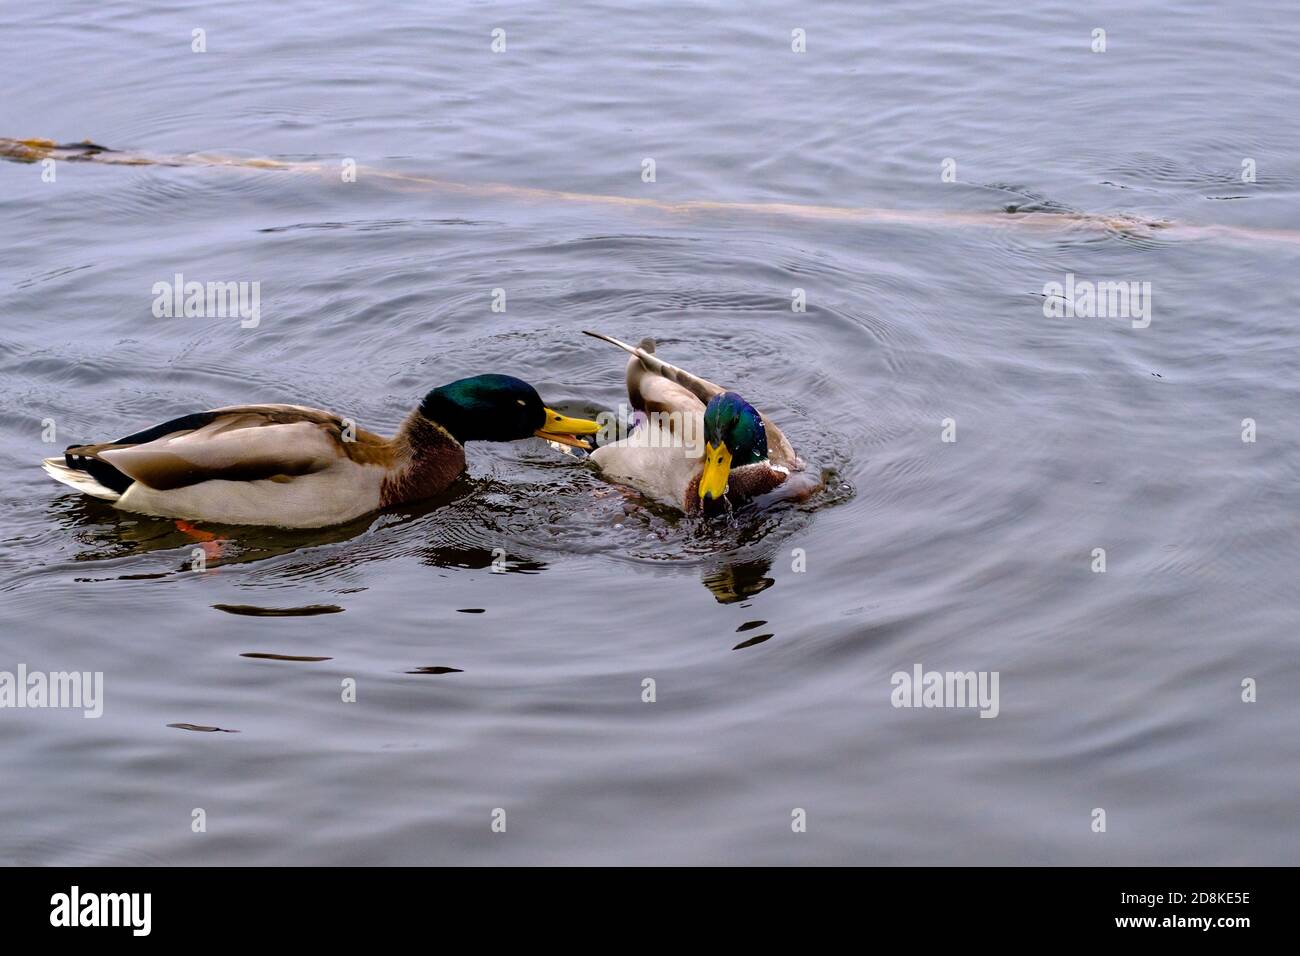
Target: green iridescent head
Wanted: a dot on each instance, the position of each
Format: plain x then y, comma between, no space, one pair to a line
499,408
734,436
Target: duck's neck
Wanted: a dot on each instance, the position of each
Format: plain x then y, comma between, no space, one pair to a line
744,483
426,460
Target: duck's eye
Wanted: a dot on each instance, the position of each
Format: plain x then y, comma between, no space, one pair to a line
520,401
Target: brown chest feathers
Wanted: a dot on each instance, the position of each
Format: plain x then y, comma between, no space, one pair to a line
743,484
426,460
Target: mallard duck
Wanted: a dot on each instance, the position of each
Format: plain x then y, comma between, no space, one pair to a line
291,466
695,445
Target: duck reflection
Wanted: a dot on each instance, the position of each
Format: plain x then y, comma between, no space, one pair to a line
738,569
473,558
731,579
104,533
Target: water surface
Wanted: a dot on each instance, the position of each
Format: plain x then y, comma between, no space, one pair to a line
522,689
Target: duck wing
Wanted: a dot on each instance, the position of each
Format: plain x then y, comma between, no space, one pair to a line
236,443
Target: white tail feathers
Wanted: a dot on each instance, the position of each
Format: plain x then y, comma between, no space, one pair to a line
58,469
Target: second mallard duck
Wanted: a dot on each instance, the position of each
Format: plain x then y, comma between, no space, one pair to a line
290,466
696,445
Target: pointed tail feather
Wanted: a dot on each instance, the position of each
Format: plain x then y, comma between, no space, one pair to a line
702,388
57,468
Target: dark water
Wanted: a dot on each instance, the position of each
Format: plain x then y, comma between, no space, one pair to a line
522,690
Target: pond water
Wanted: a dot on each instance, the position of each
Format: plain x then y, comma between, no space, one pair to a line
976,451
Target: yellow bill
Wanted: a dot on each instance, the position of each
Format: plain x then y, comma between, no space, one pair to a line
565,430
717,469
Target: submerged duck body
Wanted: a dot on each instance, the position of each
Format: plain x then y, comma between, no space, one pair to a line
293,466
696,445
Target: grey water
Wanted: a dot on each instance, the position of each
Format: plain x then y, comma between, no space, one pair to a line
983,460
